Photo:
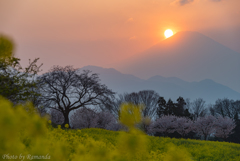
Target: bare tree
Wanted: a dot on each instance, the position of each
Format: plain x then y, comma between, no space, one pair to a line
188,104
211,109
148,98
112,106
198,108
226,107
224,127
237,106
65,89
130,98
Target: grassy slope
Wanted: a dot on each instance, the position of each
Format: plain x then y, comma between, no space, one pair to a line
199,150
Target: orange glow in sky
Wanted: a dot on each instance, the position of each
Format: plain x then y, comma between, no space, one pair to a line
105,32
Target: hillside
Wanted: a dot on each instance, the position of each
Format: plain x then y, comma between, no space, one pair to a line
190,56
168,87
160,146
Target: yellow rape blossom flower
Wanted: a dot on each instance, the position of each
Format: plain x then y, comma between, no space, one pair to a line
66,126
130,114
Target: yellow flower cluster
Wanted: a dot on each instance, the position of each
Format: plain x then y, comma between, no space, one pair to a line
130,114
66,126
25,133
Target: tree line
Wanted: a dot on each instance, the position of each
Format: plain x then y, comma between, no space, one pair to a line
82,101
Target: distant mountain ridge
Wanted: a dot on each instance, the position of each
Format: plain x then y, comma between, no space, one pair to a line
171,87
190,56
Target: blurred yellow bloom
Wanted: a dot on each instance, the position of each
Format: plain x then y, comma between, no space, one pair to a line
130,114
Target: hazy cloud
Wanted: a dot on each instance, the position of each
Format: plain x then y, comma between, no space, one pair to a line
130,20
182,2
132,38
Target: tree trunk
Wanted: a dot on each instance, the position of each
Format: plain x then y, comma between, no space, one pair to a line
205,137
66,119
225,138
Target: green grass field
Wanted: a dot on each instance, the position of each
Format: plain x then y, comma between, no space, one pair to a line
157,147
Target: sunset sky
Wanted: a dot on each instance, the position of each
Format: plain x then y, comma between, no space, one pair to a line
105,32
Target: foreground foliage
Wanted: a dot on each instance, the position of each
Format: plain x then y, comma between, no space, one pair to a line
17,83
25,134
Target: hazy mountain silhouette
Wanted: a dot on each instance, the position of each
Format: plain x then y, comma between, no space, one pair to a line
170,87
189,56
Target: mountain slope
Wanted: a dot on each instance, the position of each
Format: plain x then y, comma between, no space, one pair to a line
190,56
170,87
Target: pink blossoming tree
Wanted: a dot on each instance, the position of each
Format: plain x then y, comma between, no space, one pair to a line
165,124
183,126
204,126
224,127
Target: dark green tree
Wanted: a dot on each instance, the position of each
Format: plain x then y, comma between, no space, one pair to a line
179,107
17,83
165,108
181,110
161,107
236,131
171,108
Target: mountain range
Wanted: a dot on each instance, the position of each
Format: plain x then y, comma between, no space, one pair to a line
190,56
168,87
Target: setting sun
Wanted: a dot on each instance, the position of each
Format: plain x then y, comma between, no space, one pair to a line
168,33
